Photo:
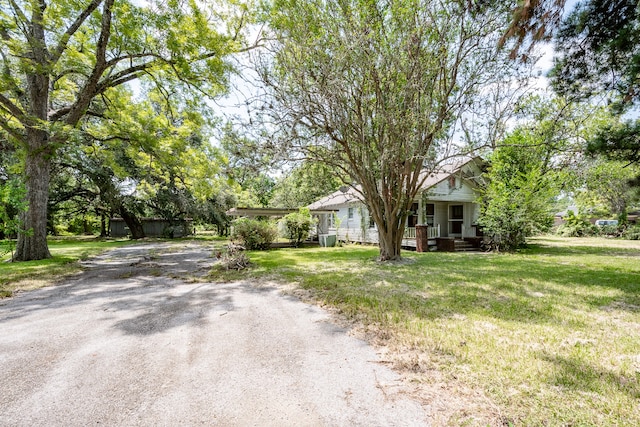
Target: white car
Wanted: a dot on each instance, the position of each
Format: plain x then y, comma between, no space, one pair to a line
604,222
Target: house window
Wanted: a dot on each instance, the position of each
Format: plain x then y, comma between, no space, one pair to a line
457,212
412,219
452,182
429,214
330,221
350,213
372,223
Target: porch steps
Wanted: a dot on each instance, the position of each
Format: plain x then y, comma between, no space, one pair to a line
463,246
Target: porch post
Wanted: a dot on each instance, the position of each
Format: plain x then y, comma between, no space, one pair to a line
422,238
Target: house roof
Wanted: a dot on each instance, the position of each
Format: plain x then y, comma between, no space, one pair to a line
270,212
340,197
348,195
565,212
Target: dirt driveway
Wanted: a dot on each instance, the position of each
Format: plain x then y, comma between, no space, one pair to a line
128,342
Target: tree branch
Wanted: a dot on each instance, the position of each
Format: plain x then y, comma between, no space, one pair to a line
90,88
16,112
64,40
4,124
122,77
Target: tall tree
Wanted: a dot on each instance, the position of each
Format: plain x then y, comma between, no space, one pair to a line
248,165
597,56
521,184
598,51
58,58
372,88
147,159
304,185
605,187
598,48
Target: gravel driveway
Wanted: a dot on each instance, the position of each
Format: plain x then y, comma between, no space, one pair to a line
129,342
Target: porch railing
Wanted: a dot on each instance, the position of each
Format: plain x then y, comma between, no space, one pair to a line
432,232
410,233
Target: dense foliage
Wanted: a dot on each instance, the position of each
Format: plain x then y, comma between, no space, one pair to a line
598,47
297,226
254,234
305,184
576,225
63,63
516,201
373,89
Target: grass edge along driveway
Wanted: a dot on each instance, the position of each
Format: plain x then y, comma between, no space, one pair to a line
549,335
65,252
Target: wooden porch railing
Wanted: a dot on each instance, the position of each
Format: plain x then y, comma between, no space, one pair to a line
432,232
410,233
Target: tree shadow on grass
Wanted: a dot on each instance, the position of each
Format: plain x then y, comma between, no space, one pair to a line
507,287
571,373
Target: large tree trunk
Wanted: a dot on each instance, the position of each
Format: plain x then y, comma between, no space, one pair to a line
132,221
32,243
390,243
103,225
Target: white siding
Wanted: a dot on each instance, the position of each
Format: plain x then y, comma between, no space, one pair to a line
343,215
462,192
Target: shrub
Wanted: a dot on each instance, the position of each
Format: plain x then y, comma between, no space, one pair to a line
609,230
576,226
515,202
254,234
632,233
297,226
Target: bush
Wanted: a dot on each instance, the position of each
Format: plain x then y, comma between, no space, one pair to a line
514,204
254,234
632,233
576,226
297,226
609,230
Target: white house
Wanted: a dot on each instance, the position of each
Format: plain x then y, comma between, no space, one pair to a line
446,203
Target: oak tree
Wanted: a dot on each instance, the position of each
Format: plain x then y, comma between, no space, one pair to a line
59,58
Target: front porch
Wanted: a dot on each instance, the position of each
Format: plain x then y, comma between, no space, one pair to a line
467,240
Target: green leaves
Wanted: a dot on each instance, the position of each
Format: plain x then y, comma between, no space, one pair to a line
516,202
371,88
599,52
298,225
12,204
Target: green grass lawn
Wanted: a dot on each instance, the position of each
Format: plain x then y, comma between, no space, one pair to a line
65,251
549,335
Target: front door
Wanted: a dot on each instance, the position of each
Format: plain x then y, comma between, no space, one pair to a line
456,217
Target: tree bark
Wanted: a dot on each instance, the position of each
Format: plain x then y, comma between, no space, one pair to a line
103,225
132,221
390,243
32,242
